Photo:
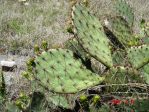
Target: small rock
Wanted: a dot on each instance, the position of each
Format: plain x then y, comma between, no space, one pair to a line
106,22
8,65
26,3
22,0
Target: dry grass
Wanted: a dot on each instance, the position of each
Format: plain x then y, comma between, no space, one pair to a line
23,25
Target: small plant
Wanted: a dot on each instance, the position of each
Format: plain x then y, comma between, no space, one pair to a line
23,101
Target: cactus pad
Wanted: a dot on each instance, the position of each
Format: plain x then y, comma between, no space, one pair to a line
124,10
60,72
61,100
145,40
119,57
74,46
91,35
55,99
145,71
138,56
122,31
147,28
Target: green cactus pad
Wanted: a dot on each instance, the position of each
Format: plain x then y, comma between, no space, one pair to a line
60,72
56,100
145,72
147,28
62,100
145,40
74,46
124,10
11,107
91,35
119,57
122,31
138,56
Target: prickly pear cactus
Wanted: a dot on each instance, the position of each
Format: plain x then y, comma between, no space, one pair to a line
62,100
40,102
11,107
138,56
145,72
145,40
53,99
123,9
74,46
60,72
118,57
147,29
91,35
122,31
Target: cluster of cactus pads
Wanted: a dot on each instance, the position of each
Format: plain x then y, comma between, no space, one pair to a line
62,73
